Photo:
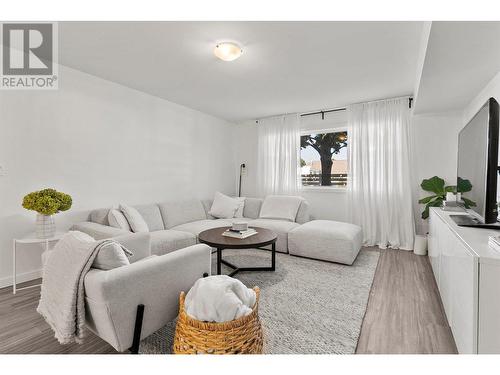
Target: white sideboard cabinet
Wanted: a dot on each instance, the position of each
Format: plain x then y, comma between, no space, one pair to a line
467,272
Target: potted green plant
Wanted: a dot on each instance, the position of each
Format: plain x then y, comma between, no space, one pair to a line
437,186
46,203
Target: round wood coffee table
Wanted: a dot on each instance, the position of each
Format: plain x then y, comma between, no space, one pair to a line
213,237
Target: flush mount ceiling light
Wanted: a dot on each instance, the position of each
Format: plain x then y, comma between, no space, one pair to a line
227,51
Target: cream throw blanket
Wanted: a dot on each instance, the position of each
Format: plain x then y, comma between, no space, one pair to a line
62,300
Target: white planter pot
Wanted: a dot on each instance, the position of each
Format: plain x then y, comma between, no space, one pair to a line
420,245
45,226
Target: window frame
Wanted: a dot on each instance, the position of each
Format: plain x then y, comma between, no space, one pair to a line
324,189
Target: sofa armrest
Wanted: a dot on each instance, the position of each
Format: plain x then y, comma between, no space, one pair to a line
113,295
98,231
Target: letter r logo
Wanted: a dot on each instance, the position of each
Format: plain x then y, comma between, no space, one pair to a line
27,48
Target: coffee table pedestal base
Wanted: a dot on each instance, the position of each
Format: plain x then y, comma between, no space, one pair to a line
237,269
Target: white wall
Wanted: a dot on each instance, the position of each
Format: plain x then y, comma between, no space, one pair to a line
325,203
434,153
491,90
102,143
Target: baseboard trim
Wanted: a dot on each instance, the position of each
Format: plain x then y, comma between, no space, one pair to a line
21,278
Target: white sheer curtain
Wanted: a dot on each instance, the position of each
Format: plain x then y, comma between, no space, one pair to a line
379,190
278,159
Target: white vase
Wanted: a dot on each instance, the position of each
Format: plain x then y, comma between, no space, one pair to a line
45,226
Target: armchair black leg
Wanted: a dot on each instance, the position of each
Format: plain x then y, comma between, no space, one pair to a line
134,349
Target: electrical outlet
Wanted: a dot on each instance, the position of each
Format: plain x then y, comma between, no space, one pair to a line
243,170
3,172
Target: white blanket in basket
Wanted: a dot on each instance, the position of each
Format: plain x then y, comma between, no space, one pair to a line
219,299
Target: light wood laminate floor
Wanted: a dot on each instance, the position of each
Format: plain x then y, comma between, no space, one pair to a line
404,315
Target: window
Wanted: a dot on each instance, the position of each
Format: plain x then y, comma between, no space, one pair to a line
323,159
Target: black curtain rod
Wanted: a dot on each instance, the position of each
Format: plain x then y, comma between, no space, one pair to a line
322,113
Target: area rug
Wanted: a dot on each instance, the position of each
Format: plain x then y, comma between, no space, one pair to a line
306,306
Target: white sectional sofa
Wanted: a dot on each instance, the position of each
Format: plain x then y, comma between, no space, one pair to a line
176,224
167,260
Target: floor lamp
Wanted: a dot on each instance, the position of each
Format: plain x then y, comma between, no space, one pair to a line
242,168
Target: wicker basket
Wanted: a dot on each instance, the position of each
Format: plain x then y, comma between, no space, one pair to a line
239,336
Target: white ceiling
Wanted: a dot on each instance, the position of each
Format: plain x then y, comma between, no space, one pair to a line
286,66
461,58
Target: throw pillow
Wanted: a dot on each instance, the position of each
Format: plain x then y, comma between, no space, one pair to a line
280,207
117,219
111,255
241,206
223,207
134,218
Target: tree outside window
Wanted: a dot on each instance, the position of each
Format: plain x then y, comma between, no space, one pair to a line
324,159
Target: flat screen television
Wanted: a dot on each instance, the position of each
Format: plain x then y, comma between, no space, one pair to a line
478,163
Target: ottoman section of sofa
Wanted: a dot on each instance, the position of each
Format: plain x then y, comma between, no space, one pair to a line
326,240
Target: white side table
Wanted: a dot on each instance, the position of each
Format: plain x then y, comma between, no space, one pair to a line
31,239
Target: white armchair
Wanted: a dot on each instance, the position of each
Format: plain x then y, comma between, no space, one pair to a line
126,304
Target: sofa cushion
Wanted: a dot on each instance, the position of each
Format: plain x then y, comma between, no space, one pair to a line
137,243
196,227
134,218
117,219
207,204
326,240
252,208
280,207
224,207
303,213
151,215
99,216
111,255
177,213
166,241
280,227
